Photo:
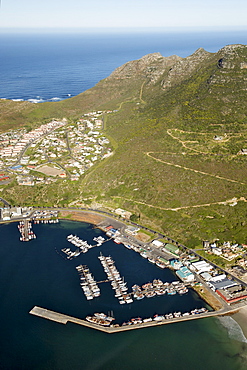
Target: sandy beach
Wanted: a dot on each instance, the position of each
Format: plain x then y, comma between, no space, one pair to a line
241,318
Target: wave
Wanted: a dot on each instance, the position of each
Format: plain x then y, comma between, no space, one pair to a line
37,100
234,329
55,99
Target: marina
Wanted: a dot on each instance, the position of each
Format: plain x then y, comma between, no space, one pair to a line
82,245
117,282
87,282
25,229
45,216
158,287
65,296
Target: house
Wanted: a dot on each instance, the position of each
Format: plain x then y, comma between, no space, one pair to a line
243,151
218,138
25,180
217,251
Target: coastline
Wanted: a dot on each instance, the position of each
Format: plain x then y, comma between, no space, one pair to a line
241,318
88,216
95,219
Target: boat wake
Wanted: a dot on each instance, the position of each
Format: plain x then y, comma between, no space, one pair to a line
234,329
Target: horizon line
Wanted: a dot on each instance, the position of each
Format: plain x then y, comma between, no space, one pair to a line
121,29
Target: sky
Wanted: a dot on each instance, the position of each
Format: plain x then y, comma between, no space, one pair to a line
127,14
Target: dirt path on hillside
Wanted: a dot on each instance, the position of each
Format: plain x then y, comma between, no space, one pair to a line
229,201
193,170
185,142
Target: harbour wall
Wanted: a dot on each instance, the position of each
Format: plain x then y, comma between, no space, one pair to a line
63,319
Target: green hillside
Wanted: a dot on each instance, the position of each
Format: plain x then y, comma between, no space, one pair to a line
177,130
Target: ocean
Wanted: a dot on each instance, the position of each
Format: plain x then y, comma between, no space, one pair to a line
50,67
36,273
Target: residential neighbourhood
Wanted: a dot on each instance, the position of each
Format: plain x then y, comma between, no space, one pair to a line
228,251
53,150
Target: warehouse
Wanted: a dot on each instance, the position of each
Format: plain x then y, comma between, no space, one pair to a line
185,275
171,248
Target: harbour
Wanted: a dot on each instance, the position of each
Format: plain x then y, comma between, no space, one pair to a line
157,287
55,285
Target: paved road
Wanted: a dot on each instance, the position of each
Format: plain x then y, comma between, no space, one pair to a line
5,202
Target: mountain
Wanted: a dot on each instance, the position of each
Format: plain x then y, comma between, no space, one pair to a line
177,129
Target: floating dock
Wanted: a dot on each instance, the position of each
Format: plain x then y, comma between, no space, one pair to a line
63,319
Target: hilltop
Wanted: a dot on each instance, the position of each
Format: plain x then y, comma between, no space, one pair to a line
178,134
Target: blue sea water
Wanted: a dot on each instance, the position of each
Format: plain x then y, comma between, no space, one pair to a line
34,273
51,67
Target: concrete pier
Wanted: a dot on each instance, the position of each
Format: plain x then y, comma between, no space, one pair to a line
63,319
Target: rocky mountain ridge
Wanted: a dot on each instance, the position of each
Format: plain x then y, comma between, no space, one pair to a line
173,69
221,75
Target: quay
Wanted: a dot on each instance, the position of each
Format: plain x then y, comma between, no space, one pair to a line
63,319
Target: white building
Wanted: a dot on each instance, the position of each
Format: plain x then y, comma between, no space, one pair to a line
157,243
201,266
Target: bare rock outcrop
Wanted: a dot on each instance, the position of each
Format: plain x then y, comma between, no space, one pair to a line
150,66
184,68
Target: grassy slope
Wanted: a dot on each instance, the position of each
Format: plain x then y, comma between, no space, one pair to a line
211,101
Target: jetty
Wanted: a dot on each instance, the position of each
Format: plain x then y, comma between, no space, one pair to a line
87,282
25,229
82,245
117,282
64,319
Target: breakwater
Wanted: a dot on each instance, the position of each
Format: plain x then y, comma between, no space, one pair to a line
64,319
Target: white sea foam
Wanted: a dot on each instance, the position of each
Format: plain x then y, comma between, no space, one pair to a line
234,330
55,99
36,100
